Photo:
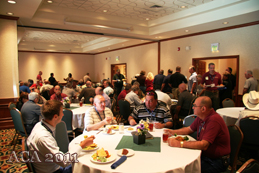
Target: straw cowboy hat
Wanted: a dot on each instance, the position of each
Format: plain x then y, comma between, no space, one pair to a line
251,100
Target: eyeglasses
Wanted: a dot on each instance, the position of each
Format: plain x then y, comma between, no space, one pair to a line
194,105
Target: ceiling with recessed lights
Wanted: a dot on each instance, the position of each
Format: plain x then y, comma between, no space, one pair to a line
92,26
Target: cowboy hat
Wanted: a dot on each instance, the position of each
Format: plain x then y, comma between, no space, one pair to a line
251,100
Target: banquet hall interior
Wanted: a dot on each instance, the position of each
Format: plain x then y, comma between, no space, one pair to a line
100,36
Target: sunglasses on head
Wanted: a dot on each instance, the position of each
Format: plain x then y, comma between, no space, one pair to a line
150,93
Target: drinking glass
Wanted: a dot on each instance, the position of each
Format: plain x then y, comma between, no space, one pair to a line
165,136
121,127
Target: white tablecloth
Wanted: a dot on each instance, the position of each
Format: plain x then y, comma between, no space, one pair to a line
232,115
170,159
79,114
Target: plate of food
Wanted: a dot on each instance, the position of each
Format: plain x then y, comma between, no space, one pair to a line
109,132
220,86
114,127
125,152
91,147
181,137
102,156
131,129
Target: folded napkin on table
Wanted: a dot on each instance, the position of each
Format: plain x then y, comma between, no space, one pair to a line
120,161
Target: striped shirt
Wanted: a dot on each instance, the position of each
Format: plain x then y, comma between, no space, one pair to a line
160,114
92,117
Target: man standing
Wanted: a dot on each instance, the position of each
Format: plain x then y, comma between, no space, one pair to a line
52,80
183,104
118,81
175,80
250,83
98,115
38,78
165,85
232,77
158,80
42,140
31,112
212,137
211,79
57,95
192,83
87,92
86,77
151,109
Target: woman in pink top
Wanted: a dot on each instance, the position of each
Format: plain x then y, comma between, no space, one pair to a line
149,81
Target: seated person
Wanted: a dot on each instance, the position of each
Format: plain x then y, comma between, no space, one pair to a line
41,100
46,86
24,87
212,137
31,112
36,85
70,92
132,97
99,91
123,94
88,92
151,109
98,115
183,104
23,98
42,140
140,92
57,95
108,88
76,87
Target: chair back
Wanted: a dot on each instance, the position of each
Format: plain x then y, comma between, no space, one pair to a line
62,137
18,122
190,109
236,138
26,155
68,119
250,127
113,105
250,166
46,94
187,121
124,106
228,103
162,103
170,95
11,105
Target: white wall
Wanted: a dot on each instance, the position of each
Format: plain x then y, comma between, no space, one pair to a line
60,64
242,41
137,58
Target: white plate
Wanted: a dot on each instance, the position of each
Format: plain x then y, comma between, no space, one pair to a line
112,133
109,160
219,86
91,149
130,152
134,129
181,136
116,127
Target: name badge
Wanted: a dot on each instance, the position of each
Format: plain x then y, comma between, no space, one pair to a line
206,78
212,85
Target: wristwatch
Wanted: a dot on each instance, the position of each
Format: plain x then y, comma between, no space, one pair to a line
181,144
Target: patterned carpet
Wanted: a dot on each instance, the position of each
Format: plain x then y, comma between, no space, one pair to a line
6,137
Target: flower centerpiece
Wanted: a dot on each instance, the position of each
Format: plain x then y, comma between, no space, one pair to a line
66,102
139,137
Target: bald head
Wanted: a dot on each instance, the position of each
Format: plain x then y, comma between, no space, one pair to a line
57,89
182,87
99,91
205,101
88,84
99,103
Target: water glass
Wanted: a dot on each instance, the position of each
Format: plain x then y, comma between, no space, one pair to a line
121,127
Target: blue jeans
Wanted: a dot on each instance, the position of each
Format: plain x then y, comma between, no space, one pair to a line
67,169
143,89
209,165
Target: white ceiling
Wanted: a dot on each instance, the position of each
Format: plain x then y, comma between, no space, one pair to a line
70,25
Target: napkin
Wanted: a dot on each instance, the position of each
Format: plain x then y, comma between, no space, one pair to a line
120,161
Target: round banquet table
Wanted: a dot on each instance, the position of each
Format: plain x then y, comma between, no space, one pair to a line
169,159
230,114
78,114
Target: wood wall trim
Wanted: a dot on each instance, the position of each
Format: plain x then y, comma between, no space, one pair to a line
29,51
212,31
158,56
9,17
6,121
4,101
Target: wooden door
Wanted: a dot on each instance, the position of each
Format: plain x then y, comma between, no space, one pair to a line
200,67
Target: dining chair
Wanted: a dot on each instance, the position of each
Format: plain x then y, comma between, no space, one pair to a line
68,119
228,103
250,126
61,136
124,106
187,121
26,155
162,103
18,125
250,166
170,95
190,109
11,105
236,138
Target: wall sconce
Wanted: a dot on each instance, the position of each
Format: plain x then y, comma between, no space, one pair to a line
215,47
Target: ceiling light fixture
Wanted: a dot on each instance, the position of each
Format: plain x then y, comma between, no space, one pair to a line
50,2
186,30
183,6
11,1
98,26
50,50
105,11
225,23
147,18
9,13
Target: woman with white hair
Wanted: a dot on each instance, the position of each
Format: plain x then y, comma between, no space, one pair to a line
149,81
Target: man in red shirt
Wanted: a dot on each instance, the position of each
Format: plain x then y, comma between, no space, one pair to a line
212,79
212,137
123,94
39,77
58,95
